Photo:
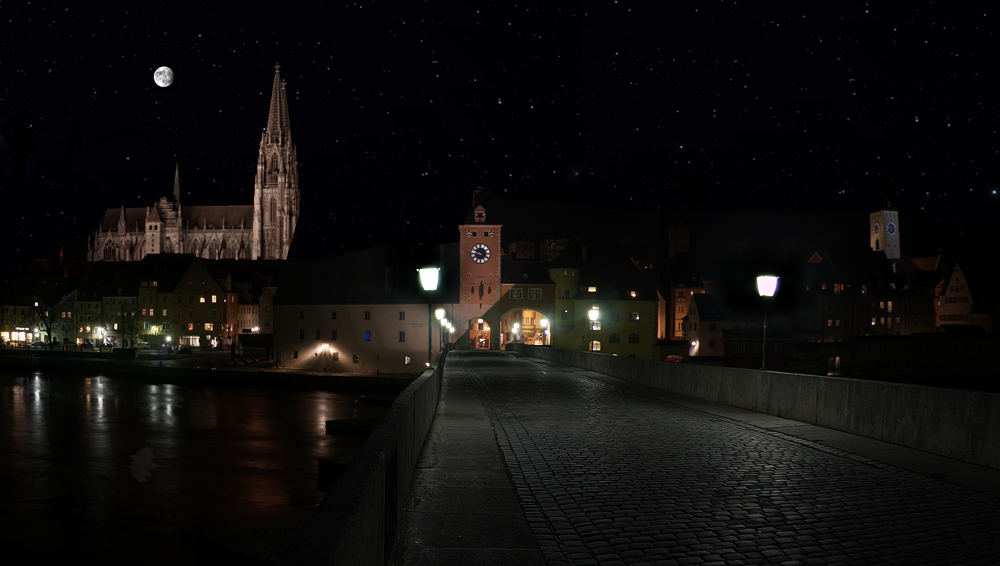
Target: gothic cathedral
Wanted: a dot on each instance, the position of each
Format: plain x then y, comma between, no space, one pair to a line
263,230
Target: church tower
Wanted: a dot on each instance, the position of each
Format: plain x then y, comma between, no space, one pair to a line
883,232
276,188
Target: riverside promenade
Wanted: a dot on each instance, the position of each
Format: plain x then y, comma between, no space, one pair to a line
529,462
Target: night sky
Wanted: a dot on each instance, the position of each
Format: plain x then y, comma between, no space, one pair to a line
399,110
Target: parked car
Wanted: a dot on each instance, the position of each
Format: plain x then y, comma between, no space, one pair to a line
87,346
38,344
184,350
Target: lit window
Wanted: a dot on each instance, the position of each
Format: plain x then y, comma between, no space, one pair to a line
890,307
190,326
209,326
592,289
595,325
829,322
633,315
595,346
838,322
213,298
201,299
368,335
873,321
632,293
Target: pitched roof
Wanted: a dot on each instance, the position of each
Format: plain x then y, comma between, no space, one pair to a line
231,216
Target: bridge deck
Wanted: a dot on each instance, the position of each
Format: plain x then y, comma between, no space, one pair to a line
530,462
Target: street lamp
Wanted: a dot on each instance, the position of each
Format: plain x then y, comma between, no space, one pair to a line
766,285
545,332
439,314
429,281
593,314
515,328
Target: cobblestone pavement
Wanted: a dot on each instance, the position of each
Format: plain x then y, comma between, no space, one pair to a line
608,476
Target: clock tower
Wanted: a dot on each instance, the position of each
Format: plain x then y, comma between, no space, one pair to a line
883,232
479,273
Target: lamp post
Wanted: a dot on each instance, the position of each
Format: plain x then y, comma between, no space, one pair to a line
439,315
766,285
429,281
593,314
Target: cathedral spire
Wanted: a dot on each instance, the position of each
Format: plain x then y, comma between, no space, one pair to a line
177,183
278,124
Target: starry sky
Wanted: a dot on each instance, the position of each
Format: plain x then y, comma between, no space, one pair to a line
399,110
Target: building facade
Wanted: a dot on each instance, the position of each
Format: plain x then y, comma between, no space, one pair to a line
262,230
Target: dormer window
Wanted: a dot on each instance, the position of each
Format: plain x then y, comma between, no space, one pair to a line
480,214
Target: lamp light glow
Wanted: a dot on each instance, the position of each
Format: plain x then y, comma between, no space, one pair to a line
767,285
429,278
439,314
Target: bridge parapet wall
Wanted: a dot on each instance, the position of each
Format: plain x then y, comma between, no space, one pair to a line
956,423
358,521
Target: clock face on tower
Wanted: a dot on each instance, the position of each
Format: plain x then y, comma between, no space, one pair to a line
480,253
890,228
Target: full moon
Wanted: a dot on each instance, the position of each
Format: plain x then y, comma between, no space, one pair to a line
164,76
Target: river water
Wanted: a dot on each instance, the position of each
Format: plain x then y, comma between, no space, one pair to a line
116,471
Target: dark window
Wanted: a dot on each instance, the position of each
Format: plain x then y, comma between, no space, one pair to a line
614,338
634,339
302,334
402,316
357,358
316,335
333,315
295,354
565,315
368,315
333,335
711,343
711,327
190,298
402,336
179,298
302,314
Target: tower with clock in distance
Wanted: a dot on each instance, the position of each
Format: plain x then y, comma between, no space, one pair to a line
479,273
883,232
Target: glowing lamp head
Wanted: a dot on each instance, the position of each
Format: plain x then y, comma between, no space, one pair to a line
766,285
545,323
439,313
593,314
429,278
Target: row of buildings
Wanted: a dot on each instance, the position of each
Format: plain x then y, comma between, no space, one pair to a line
674,287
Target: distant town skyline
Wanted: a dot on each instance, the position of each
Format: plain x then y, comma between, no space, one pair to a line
398,113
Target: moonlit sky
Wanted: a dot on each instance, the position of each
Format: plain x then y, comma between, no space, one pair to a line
399,110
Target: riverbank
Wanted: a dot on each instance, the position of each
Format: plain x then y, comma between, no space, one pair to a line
200,368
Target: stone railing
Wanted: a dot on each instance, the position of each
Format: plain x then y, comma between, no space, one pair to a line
956,423
358,521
